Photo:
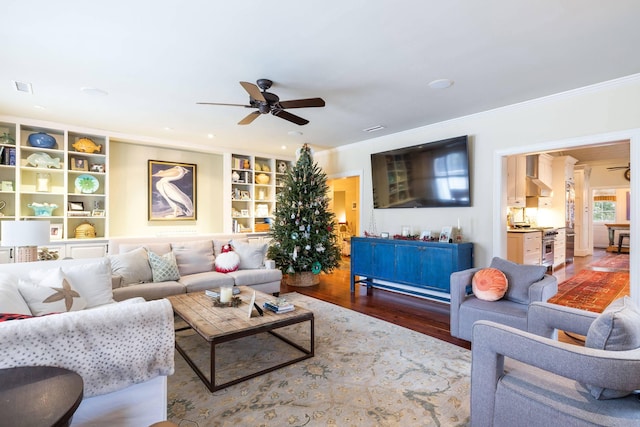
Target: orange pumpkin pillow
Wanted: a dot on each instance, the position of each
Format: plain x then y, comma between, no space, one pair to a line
489,284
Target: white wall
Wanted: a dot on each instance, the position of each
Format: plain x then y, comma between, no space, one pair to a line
600,109
128,191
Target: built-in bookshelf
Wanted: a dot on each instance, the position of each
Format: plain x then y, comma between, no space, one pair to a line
255,183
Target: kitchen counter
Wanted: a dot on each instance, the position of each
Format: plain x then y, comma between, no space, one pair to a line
523,230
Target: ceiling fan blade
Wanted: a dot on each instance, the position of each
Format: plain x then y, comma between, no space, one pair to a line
254,91
251,117
303,103
291,117
219,103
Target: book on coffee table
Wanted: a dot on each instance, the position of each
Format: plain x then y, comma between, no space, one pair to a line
279,307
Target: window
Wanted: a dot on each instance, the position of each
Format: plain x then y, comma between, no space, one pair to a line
604,210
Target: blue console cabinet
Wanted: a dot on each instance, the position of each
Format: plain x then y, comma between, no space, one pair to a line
410,266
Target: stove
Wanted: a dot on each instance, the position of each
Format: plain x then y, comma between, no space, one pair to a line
548,243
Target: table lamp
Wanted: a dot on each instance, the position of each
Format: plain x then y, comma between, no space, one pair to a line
25,236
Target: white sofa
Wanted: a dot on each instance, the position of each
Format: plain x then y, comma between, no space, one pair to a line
195,257
123,351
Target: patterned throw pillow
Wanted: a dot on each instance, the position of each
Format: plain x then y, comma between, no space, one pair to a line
163,268
53,294
5,317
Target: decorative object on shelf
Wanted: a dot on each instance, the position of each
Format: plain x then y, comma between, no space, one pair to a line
7,155
43,181
258,167
246,164
75,206
43,160
235,176
97,167
244,195
282,167
2,206
244,212
6,138
262,210
302,231
425,235
79,164
406,231
55,231
26,236
45,254
87,184
262,178
85,231
266,168
42,209
97,212
86,145
41,140
6,186
172,190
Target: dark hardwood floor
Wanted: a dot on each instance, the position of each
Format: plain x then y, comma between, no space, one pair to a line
419,314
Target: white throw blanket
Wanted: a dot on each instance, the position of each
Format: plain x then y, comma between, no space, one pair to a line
111,347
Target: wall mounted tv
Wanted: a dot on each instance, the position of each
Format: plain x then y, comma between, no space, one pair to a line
434,174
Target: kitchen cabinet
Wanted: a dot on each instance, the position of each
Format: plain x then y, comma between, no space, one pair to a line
545,169
560,248
409,266
516,181
562,212
525,247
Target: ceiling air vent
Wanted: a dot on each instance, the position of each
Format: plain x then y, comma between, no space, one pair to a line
373,128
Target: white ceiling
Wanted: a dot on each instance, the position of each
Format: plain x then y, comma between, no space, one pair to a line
371,61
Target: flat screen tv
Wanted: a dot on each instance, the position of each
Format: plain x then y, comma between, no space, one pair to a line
434,174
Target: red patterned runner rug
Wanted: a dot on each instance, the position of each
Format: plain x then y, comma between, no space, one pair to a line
614,261
592,290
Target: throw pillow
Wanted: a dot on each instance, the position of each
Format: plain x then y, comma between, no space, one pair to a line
10,299
53,294
251,254
92,279
617,328
489,284
132,266
228,260
194,257
5,317
520,278
163,267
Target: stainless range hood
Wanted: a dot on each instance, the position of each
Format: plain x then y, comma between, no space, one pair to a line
535,187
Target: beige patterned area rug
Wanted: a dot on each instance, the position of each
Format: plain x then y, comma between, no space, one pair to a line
366,372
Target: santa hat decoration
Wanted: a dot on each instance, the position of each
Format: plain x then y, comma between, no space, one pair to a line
227,261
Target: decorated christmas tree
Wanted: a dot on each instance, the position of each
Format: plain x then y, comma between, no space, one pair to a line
303,237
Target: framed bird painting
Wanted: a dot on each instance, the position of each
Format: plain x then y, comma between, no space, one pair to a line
172,191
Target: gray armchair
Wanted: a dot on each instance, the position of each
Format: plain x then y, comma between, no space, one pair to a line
527,283
520,378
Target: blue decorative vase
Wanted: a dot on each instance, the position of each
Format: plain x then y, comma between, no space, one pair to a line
41,140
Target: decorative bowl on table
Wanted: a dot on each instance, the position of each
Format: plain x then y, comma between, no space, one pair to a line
41,140
43,209
87,184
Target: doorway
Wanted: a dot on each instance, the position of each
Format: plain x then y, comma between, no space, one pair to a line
344,194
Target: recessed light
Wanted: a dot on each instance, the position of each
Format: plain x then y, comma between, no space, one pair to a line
284,147
39,107
373,128
167,128
23,86
94,91
210,136
441,84
295,133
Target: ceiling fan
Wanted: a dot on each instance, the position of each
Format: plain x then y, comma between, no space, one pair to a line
267,102
627,170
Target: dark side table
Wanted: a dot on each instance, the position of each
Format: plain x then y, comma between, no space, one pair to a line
37,396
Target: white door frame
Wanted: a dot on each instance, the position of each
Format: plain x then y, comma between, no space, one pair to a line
500,191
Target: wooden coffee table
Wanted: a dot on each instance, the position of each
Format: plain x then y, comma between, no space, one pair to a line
217,325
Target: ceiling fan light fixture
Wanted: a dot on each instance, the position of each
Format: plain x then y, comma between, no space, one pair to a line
440,84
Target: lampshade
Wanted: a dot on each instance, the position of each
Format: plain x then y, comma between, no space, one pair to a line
26,236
